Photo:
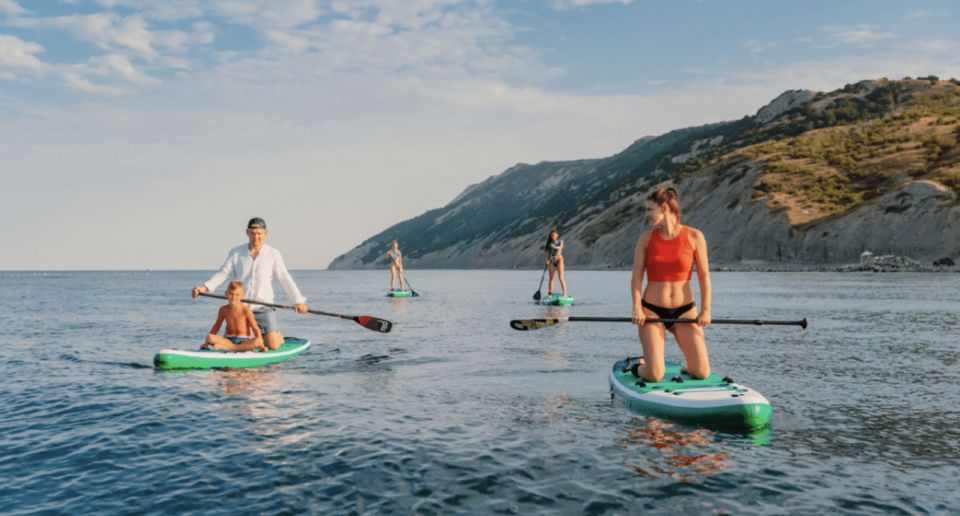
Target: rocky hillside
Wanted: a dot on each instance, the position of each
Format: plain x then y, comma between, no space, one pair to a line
812,178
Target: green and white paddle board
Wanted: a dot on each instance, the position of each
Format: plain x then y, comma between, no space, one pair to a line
710,401
557,300
399,293
213,359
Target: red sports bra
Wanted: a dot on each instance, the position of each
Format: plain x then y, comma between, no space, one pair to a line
669,260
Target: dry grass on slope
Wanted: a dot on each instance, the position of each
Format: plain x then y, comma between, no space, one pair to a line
826,172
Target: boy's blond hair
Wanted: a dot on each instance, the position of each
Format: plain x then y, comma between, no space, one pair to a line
234,285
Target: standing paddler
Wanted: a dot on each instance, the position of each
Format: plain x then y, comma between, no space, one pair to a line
396,265
554,250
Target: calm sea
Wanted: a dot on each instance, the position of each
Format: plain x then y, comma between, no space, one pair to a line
455,413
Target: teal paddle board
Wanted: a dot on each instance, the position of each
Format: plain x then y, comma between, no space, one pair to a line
557,300
213,359
399,293
710,401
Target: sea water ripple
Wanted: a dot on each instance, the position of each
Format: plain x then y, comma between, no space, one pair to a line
456,413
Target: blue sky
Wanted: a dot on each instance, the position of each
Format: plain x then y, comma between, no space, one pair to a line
141,134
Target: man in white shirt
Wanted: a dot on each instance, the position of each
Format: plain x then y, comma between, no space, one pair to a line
256,264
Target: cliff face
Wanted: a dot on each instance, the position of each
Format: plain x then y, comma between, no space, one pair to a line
813,178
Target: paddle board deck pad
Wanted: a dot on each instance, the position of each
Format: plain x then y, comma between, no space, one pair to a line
710,401
399,293
213,359
557,300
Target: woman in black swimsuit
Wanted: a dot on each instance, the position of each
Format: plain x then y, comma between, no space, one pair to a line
554,250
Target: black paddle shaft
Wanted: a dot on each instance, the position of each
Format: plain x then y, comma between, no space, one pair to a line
756,322
536,295
536,324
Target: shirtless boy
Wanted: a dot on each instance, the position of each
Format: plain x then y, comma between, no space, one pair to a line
242,333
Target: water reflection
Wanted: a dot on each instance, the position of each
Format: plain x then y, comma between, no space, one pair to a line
258,384
398,305
556,360
375,373
556,312
258,396
683,454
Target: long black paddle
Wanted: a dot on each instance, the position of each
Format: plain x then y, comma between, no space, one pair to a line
367,321
536,324
536,295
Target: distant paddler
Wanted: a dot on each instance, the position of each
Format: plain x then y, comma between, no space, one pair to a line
667,253
256,264
396,265
554,250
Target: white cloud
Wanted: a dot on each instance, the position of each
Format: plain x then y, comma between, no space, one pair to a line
166,10
111,75
119,65
266,15
78,81
401,14
202,33
573,4
935,46
460,37
17,53
917,14
756,47
131,32
106,30
11,7
862,35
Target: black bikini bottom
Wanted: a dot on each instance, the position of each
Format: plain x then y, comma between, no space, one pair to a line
667,313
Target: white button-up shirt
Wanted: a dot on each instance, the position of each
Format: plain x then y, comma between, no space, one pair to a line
256,274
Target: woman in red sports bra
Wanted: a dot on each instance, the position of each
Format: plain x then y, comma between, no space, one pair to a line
667,254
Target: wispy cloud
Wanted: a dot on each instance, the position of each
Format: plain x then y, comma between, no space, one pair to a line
573,4
11,7
17,53
281,14
935,46
460,37
110,31
917,14
863,35
127,44
756,47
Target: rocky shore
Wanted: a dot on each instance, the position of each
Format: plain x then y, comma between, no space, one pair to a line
869,262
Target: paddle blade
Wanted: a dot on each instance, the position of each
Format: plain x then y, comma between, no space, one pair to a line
536,296
532,324
374,323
